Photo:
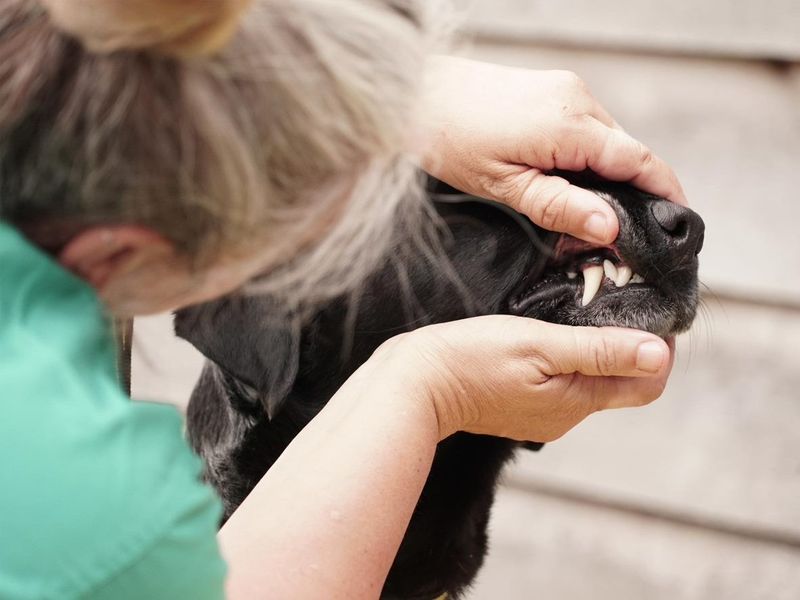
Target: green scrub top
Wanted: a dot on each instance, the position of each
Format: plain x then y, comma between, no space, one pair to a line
100,497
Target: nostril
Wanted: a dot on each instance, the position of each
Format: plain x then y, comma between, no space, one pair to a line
680,229
684,228
671,218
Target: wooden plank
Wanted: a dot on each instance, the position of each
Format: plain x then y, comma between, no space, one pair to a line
767,29
544,548
731,130
720,446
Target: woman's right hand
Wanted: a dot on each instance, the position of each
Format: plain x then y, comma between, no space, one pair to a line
331,512
520,378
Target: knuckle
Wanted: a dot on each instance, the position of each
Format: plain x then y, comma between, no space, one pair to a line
603,355
539,371
569,78
549,204
581,85
646,156
552,212
506,185
496,185
573,94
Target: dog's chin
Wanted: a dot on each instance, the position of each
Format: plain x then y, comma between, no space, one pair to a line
560,299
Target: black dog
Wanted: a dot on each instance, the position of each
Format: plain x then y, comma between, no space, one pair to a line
500,263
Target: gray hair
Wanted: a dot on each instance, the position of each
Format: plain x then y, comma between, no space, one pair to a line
312,102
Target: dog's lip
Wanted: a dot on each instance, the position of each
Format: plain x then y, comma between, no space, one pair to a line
558,284
571,254
609,288
567,265
567,246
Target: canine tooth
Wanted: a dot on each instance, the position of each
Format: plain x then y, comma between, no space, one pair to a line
571,274
593,277
624,275
610,270
637,279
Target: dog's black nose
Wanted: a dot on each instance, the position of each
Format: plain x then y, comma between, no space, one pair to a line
683,228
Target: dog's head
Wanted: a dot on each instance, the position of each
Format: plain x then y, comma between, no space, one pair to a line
496,261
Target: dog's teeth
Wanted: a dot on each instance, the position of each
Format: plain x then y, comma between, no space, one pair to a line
610,270
637,279
593,278
571,274
624,275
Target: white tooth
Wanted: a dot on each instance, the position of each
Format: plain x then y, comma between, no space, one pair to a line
637,279
593,277
571,274
624,275
610,270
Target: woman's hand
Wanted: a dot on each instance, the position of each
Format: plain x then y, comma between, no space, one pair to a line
331,512
521,378
497,131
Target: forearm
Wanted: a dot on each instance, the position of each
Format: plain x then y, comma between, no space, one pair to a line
328,517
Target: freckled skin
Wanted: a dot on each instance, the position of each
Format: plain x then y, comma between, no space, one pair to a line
504,264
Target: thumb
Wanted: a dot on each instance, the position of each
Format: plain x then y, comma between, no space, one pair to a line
603,352
555,204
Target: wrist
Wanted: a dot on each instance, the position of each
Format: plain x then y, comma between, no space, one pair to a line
406,372
427,140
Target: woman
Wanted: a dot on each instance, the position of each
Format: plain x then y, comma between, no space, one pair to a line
157,153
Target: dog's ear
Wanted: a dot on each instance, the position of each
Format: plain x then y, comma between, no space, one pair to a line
243,336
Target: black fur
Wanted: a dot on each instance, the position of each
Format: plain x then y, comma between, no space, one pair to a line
503,264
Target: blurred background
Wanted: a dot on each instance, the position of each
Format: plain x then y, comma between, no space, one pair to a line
698,495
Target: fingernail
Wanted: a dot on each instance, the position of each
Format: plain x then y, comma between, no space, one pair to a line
650,356
597,227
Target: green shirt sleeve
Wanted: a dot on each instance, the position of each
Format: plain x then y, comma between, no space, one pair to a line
100,497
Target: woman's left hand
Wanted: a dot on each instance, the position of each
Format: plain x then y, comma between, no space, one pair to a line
497,131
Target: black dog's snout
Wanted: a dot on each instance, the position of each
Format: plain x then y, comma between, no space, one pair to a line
683,228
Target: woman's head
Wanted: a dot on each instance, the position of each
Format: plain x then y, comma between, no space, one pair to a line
139,154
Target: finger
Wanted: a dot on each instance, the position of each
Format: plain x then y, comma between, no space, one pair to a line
555,204
615,155
608,393
602,352
623,392
579,98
